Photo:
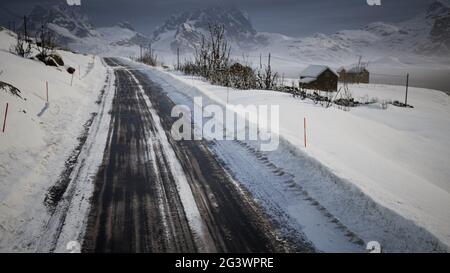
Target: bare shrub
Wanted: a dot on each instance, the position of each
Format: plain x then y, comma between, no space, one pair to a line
212,62
45,42
346,99
22,47
242,76
212,58
149,57
266,79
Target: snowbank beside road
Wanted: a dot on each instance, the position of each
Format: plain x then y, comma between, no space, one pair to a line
39,137
396,157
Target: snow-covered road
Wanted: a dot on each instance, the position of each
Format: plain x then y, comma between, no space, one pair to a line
153,194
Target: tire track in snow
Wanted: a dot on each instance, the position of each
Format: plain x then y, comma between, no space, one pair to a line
291,184
156,195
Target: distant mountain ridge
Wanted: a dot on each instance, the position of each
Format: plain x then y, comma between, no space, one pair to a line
426,34
185,30
70,18
440,33
72,29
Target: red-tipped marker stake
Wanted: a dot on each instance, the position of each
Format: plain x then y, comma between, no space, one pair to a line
304,130
4,120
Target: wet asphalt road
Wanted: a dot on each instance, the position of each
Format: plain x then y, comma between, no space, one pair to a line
137,206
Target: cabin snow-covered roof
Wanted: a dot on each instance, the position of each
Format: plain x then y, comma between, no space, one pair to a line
307,79
314,71
341,69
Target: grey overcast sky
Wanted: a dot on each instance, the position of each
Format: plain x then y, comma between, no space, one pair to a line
291,17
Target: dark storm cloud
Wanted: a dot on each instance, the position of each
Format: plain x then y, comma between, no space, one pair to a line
292,17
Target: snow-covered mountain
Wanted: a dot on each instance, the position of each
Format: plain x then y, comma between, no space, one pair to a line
427,34
69,23
73,30
424,40
185,30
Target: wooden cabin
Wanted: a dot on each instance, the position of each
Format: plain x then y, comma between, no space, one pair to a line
354,75
319,77
341,72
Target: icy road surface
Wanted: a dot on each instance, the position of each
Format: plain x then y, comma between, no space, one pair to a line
156,195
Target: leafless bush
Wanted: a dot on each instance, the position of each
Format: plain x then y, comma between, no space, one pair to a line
211,57
242,76
190,68
346,99
149,57
329,97
45,42
22,47
219,55
266,79
347,95
212,61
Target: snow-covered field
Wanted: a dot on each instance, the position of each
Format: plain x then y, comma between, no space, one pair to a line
39,137
384,173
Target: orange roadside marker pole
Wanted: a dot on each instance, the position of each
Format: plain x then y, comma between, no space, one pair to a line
304,130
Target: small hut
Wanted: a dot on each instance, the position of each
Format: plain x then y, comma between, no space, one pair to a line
319,77
341,72
357,74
